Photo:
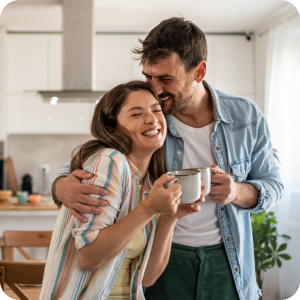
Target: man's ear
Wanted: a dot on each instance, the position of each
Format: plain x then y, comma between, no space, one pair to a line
110,129
200,71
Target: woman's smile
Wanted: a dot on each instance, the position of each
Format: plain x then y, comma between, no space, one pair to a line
142,120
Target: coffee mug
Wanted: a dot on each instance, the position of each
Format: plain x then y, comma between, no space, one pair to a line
190,181
22,197
207,174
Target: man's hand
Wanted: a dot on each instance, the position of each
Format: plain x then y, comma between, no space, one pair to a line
75,195
226,190
242,194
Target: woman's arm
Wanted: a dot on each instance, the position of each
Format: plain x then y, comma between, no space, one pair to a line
112,240
161,248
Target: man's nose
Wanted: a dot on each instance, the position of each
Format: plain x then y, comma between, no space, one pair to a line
157,86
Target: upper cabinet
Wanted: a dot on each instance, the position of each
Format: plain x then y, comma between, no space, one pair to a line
35,63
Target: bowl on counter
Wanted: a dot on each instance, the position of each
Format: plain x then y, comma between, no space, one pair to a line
5,195
34,198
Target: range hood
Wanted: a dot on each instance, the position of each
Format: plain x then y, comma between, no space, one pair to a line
78,78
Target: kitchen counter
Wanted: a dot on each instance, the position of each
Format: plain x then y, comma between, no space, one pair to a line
40,216
13,205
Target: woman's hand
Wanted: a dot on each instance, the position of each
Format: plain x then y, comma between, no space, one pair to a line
186,209
161,200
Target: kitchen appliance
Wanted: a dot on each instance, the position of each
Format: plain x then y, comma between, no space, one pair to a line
78,55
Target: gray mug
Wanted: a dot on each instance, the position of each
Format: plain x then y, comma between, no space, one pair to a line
190,181
207,174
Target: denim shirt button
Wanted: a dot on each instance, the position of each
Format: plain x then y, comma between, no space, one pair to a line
222,208
218,148
228,239
236,269
178,152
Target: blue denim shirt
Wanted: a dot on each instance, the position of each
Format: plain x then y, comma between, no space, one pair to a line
242,147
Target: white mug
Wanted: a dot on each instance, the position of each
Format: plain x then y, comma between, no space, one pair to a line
207,174
190,181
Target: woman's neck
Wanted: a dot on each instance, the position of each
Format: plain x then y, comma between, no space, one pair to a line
141,162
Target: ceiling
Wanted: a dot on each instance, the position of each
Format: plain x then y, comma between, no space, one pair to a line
142,15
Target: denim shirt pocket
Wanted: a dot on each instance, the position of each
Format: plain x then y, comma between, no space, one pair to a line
240,169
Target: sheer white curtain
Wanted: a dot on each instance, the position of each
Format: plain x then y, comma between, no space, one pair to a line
283,114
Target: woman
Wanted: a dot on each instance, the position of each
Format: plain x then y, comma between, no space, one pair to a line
126,247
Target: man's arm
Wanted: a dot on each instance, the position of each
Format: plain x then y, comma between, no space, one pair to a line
67,189
262,188
241,194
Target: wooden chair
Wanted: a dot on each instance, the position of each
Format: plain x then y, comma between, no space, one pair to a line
18,239
13,273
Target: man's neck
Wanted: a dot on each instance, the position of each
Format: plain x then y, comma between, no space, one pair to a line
199,112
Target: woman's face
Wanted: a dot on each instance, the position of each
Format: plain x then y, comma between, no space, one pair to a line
141,119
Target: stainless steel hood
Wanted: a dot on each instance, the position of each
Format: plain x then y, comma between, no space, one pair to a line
78,78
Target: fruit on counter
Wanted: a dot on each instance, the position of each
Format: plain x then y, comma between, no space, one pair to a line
34,198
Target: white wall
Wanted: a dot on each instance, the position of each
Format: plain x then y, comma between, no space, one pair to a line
34,63
3,100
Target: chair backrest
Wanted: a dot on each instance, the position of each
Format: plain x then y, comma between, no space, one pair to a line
13,273
20,239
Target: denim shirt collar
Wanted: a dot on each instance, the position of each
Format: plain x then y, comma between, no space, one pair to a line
220,111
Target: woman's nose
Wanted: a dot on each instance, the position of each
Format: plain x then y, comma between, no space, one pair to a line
150,118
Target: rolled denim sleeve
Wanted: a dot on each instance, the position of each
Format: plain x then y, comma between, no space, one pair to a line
264,174
63,171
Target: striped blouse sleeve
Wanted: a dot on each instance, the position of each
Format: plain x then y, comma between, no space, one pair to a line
108,167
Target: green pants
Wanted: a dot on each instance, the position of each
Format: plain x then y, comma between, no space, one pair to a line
195,274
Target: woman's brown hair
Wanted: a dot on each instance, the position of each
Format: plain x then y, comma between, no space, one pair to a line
105,118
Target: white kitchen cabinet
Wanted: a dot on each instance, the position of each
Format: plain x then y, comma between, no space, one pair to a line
136,68
27,62
113,59
35,63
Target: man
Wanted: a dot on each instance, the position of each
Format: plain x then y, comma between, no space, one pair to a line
212,254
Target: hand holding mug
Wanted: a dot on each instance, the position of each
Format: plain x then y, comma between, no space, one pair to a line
161,200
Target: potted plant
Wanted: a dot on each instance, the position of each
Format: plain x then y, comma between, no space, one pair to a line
267,251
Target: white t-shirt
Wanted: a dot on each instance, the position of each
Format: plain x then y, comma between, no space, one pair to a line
201,228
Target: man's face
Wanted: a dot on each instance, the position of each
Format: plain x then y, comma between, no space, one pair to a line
174,86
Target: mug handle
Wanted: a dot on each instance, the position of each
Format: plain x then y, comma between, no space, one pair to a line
170,183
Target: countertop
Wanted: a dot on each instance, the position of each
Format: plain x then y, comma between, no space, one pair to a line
12,205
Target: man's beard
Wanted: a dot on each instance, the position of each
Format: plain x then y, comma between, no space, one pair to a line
178,105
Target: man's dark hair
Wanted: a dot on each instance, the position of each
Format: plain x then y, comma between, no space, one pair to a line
174,35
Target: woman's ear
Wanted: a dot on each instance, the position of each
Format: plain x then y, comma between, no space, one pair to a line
110,129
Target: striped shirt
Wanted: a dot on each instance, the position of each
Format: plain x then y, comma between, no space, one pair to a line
64,277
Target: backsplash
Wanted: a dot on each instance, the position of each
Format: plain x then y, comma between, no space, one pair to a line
29,152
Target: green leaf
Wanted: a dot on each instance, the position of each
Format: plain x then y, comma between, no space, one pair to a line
279,263
268,250
271,213
273,262
282,247
285,256
274,244
273,221
287,237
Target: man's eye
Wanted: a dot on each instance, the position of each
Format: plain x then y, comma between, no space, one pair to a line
135,115
166,79
159,110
